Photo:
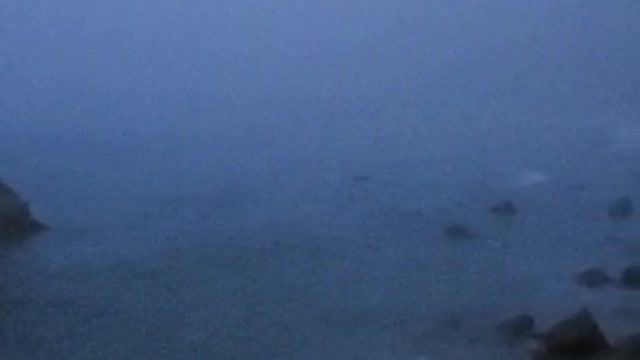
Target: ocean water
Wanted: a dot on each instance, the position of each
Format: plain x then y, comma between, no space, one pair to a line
170,261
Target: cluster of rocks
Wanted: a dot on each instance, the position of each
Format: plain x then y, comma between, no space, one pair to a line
577,337
16,219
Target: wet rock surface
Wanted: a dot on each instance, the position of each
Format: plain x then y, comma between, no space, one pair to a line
16,219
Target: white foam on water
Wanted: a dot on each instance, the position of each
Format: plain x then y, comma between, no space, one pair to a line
529,178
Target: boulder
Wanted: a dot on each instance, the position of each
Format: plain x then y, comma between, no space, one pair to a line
620,208
593,278
576,337
16,219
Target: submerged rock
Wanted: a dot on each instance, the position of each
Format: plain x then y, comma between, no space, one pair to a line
620,208
16,219
593,278
504,208
630,277
458,231
576,337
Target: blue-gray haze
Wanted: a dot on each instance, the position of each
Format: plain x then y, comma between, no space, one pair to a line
270,179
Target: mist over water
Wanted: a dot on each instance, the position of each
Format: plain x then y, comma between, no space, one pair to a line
271,179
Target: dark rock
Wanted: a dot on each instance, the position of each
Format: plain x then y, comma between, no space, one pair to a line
516,328
16,219
621,208
627,348
458,231
576,337
504,208
593,278
630,277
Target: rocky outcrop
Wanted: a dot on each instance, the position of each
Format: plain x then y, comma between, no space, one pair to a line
16,219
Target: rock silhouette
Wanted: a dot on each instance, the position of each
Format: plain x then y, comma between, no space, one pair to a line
576,337
16,219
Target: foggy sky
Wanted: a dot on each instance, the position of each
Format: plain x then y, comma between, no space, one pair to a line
261,88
